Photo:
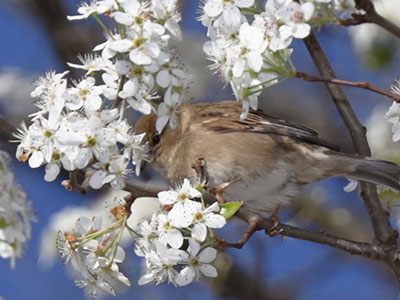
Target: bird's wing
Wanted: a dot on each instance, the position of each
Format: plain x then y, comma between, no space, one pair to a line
224,118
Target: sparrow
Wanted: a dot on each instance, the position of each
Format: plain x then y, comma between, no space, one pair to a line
261,160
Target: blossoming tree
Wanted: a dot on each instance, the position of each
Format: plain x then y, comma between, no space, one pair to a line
80,126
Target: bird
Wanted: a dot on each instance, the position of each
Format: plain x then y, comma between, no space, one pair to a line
262,161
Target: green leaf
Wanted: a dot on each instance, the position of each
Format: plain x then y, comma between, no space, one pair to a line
228,209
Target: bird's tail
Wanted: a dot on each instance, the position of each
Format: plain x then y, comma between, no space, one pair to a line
367,169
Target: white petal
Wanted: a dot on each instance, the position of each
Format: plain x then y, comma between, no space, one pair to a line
194,247
215,221
123,67
199,232
254,60
145,279
174,238
52,171
167,197
244,3
213,8
232,15
96,181
238,67
93,102
186,276
123,18
208,270
36,159
308,10
140,57
130,88
300,31
121,45
120,255
207,255
163,78
161,122
179,216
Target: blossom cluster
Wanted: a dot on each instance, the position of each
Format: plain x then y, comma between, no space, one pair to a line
94,253
141,53
252,53
72,129
83,125
16,213
176,240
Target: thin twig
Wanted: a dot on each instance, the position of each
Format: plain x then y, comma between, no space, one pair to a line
371,16
360,84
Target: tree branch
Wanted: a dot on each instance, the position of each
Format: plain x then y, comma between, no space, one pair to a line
371,16
356,248
361,84
385,235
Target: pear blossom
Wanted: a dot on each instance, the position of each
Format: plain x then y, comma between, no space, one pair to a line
160,264
252,44
198,264
166,12
202,219
16,214
167,234
167,110
84,10
229,10
181,194
94,255
91,63
86,94
294,16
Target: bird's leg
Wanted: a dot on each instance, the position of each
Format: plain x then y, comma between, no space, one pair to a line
275,218
220,188
253,227
199,166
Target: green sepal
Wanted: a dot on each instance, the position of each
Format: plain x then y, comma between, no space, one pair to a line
228,209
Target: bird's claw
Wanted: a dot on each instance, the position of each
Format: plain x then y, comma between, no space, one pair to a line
220,188
273,231
199,166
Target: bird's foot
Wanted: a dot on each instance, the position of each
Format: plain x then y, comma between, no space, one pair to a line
274,231
199,166
220,188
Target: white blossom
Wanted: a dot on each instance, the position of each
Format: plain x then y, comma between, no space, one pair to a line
16,214
198,264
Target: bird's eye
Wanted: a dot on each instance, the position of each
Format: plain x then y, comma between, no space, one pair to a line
156,139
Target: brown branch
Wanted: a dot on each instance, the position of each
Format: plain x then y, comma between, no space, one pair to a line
360,84
356,248
385,235
371,16
141,191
